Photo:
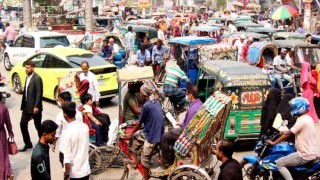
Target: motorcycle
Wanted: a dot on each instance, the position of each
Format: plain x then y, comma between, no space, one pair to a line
264,163
3,90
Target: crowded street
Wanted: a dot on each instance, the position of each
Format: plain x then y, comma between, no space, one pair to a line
168,89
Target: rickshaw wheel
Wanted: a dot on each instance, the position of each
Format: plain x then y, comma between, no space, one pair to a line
189,171
104,163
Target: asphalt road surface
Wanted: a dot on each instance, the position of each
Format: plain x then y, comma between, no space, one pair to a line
21,162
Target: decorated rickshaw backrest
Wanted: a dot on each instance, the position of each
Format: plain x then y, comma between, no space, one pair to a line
204,124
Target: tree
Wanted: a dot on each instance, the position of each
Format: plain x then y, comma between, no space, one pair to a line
88,15
27,18
221,4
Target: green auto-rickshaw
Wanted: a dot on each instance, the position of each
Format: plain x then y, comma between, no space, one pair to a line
248,88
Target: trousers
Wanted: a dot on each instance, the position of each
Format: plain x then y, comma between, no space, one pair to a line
279,77
291,160
167,141
25,118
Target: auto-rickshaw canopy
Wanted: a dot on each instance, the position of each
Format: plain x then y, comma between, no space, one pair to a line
150,31
289,43
288,36
234,73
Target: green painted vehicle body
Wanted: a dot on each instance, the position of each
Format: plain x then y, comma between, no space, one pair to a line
247,86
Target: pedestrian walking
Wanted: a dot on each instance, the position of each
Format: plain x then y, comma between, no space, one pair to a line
5,167
75,142
40,159
64,97
31,104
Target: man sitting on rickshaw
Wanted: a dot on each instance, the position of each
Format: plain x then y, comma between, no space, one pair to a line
107,50
152,118
170,137
281,69
170,88
131,109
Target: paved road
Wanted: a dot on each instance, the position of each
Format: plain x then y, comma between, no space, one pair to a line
21,162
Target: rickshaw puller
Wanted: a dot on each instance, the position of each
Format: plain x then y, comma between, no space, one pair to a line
152,118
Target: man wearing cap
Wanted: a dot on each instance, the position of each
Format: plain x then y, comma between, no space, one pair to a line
152,118
240,44
281,69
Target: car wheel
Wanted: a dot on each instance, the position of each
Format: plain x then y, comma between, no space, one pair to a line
7,63
56,97
16,82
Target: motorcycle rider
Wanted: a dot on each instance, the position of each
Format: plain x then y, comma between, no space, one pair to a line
305,142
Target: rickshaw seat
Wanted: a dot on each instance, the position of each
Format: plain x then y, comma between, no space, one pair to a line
194,145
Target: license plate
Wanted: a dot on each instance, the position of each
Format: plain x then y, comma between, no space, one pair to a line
231,131
101,82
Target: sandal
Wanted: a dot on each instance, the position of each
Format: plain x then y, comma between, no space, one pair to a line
11,177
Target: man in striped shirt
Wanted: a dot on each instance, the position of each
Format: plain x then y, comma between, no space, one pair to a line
170,88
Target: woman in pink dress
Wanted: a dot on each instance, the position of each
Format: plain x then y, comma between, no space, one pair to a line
5,167
309,84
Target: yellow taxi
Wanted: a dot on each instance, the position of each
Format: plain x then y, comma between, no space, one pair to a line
53,63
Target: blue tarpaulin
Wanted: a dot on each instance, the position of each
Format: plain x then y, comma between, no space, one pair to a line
191,40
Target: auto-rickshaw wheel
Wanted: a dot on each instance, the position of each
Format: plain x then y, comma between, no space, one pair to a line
189,171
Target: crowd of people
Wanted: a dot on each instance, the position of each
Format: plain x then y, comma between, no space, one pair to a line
72,126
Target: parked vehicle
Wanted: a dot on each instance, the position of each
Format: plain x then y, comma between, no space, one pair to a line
187,48
218,51
243,26
264,163
54,63
247,86
261,54
231,38
30,43
288,36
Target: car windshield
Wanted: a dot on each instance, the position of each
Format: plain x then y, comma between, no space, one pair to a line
94,60
50,42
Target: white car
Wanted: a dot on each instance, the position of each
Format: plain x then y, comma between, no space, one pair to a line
30,43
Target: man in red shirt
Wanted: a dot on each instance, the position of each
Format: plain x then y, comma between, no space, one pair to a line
245,50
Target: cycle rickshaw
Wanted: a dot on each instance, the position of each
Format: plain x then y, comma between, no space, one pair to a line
194,157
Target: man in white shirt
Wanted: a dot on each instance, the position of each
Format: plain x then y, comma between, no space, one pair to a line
115,46
160,33
93,82
64,97
281,68
129,39
240,44
75,142
268,24
232,27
